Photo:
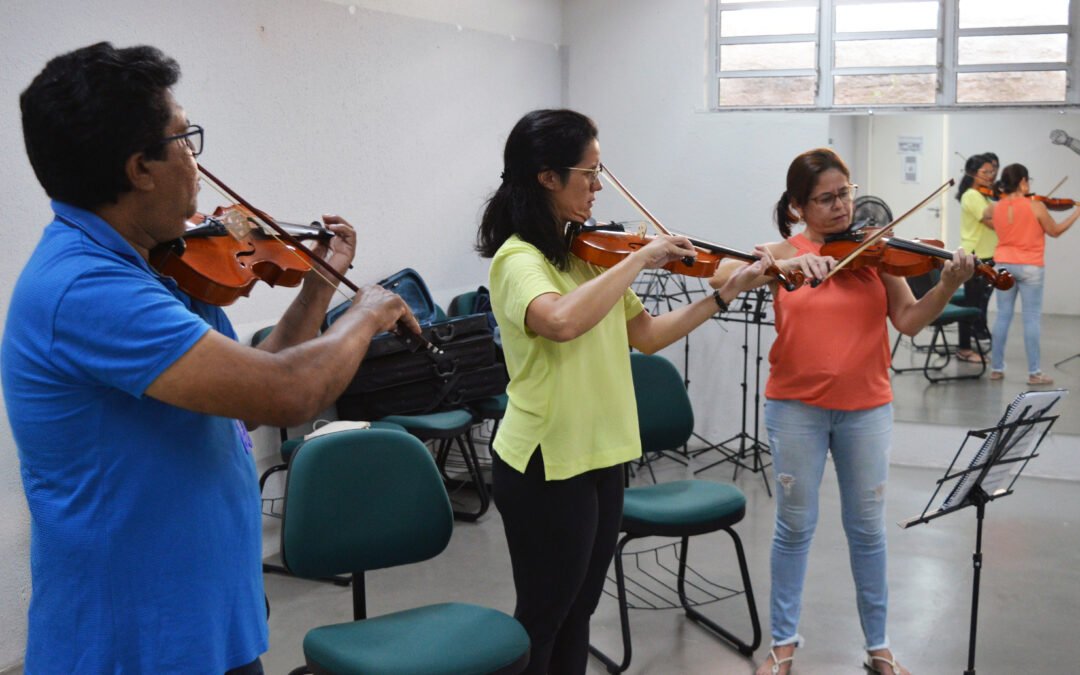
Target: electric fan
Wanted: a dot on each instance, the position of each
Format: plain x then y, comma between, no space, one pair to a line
873,210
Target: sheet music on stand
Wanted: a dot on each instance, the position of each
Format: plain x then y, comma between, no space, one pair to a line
1003,454
990,474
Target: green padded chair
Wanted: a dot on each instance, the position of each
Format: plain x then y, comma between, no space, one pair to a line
939,352
447,429
368,500
288,447
679,509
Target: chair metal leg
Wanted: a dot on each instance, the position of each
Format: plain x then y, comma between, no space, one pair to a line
472,465
948,355
744,648
624,616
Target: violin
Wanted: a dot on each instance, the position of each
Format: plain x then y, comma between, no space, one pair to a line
222,256
1054,203
607,248
229,262
904,257
990,192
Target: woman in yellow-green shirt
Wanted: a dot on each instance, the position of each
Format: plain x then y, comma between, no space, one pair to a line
571,420
976,236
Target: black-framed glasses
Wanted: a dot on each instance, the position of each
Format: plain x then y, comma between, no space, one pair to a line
845,194
594,174
192,138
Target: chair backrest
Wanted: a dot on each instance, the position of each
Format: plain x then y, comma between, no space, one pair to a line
462,304
362,500
665,416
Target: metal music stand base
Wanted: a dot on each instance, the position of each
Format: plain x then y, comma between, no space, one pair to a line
1074,356
744,450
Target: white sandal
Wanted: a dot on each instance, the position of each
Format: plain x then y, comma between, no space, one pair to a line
777,662
893,663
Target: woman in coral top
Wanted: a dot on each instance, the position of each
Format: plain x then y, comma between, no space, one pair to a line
1022,225
829,390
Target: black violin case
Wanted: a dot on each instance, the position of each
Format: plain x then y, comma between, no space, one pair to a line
393,379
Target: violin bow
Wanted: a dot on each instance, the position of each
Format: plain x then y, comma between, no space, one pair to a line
1059,184
708,246
880,234
412,340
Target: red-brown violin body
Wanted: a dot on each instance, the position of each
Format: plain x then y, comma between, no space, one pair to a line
607,248
224,255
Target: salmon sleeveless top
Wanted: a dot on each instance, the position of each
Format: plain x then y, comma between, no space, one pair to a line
832,342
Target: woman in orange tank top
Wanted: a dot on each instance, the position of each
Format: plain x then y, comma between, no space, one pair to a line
1022,225
829,391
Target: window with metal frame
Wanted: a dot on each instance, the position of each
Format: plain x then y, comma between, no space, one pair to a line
903,54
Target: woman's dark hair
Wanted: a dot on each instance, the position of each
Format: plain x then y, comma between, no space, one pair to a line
88,111
542,139
1011,177
991,157
971,167
802,178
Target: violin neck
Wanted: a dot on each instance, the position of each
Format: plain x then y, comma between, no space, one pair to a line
315,230
918,247
723,250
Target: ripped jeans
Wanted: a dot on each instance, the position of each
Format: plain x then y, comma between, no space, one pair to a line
800,437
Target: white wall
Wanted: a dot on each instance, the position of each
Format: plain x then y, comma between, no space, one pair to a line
393,114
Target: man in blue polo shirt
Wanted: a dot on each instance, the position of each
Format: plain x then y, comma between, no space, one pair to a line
124,394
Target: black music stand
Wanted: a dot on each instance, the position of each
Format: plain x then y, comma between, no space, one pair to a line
745,449
1074,356
993,470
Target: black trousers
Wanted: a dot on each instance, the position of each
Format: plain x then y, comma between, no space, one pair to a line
977,291
561,535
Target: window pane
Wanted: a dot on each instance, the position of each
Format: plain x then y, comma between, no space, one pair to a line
871,53
787,21
999,13
884,89
777,56
890,16
766,91
1013,49
1016,87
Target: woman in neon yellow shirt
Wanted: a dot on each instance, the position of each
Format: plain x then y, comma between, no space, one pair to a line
976,236
571,420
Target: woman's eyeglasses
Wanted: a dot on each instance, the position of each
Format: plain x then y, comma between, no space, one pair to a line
828,200
594,174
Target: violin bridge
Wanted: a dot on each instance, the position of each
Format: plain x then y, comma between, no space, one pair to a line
642,228
236,224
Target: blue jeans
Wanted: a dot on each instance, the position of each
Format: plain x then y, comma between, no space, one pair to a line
1029,285
800,437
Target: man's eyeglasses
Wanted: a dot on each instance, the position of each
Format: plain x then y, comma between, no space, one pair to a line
828,200
192,138
594,174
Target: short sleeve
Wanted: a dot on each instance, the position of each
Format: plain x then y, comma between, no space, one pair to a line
519,274
125,345
973,204
632,304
